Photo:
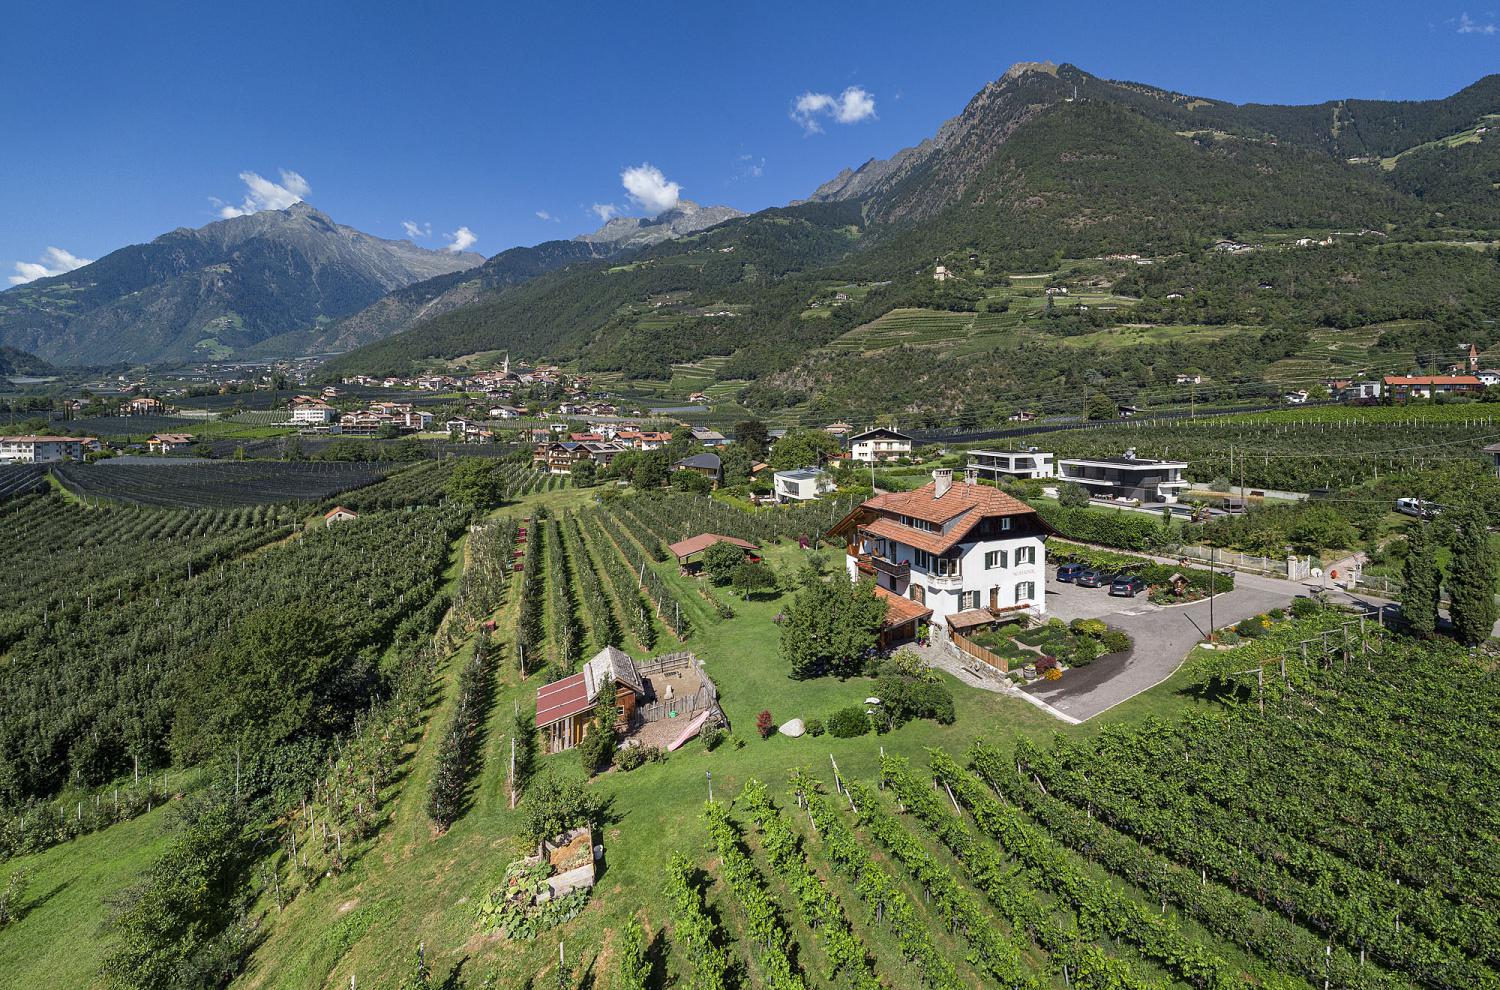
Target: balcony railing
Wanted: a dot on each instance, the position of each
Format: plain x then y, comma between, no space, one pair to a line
900,571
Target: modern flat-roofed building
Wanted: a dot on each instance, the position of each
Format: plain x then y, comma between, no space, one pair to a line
1128,476
996,464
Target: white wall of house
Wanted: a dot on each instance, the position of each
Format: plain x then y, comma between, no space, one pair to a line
1002,573
879,449
312,414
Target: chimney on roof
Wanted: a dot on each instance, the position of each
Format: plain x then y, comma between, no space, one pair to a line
942,480
971,475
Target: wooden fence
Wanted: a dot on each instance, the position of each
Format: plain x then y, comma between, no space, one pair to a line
972,649
704,698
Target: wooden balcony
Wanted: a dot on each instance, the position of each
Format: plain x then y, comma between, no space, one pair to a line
891,569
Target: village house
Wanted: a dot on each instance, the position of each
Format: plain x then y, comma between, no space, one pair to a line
167,443
1297,398
143,406
309,410
339,514
997,464
879,444
707,464
709,438
1128,477
1402,387
948,548
802,484
1189,379
44,449
942,274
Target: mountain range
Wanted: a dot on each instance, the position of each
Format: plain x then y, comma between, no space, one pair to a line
213,291
1048,162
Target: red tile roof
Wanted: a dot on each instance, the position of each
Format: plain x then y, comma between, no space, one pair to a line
898,610
960,509
1431,380
693,544
960,498
561,699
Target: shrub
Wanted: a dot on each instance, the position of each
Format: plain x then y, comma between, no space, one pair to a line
846,723
595,751
814,727
907,662
1250,628
634,756
765,724
1304,608
712,737
1115,641
1090,627
1085,652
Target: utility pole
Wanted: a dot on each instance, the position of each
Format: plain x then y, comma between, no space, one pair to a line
1213,589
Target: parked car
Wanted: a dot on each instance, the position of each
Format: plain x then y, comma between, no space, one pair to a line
1093,577
1416,507
1127,585
1068,573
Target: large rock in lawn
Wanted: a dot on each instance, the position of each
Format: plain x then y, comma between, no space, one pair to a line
794,728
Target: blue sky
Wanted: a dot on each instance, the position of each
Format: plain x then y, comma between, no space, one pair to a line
124,120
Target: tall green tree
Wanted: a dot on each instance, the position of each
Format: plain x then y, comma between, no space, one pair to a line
476,481
274,678
1421,582
1099,405
721,560
802,448
753,436
1471,577
830,626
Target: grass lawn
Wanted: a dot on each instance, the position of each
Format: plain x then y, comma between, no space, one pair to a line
56,942
413,885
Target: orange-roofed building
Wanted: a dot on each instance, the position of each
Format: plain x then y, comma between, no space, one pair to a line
951,547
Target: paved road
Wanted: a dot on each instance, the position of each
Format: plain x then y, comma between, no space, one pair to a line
1163,638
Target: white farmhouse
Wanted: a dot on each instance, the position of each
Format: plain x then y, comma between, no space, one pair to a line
879,444
950,548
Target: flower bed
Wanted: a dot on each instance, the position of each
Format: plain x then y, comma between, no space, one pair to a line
1075,645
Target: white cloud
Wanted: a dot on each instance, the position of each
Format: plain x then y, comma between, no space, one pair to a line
544,215
263,194
650,189
605,211
849,107
1467,25
415,230
750,167
55,261
463,239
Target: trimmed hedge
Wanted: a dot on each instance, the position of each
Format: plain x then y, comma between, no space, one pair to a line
1126,530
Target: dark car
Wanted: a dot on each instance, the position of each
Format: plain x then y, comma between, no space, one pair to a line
1069,572
1127,585
1093,577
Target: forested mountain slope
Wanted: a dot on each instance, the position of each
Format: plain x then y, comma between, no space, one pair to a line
1045,164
